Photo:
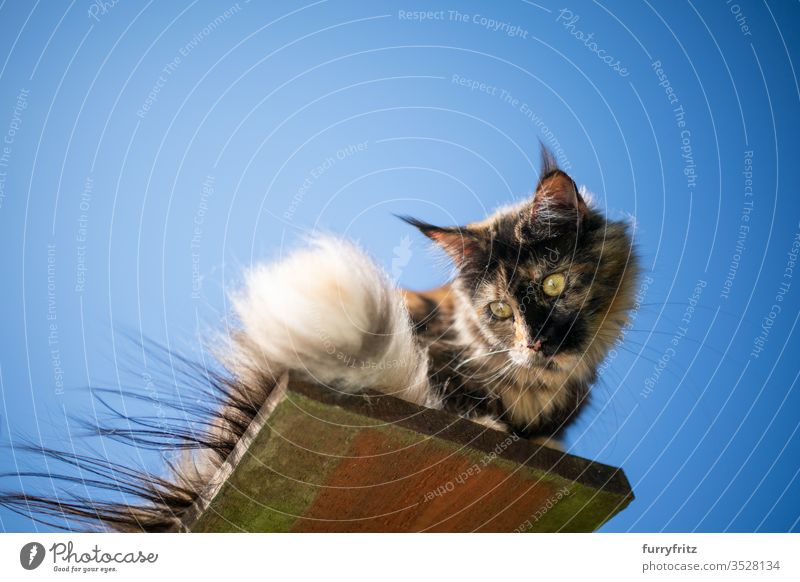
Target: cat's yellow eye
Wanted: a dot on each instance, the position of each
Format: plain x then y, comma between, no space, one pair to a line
501,309
554,284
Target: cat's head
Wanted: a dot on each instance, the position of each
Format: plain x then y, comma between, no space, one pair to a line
550,280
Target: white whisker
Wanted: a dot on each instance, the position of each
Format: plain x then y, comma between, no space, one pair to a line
481,356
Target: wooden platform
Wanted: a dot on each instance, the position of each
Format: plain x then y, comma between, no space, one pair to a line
318,461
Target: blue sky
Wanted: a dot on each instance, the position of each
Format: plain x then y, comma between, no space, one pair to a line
150,152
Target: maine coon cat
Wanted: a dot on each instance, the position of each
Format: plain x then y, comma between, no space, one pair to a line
541,292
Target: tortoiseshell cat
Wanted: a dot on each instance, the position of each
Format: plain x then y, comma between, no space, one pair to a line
541,292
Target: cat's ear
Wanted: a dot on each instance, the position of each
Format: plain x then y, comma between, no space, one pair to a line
556,188
461,243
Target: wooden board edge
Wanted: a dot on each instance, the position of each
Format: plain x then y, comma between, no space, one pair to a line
225,470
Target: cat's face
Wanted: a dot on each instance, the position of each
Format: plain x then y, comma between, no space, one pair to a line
533,304
548,282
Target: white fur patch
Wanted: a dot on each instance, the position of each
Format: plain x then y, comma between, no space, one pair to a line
330,314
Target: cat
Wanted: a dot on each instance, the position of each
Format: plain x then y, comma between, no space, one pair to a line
541,292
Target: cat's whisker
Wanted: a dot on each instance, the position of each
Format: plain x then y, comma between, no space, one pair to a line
482,356
496,375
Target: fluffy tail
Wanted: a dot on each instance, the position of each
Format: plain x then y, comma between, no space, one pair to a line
326,314
331,315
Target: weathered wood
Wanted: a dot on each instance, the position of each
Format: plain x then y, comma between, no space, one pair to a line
316,460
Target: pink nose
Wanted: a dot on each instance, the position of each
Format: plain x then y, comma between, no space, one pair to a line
535,346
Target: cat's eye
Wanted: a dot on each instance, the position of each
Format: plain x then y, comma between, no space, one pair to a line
554,284
500,309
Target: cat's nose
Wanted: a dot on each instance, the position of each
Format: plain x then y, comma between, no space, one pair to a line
535,346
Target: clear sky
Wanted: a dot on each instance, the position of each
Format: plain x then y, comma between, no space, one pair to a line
150,151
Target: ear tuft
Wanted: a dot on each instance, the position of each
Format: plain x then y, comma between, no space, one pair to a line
461,243
548,160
